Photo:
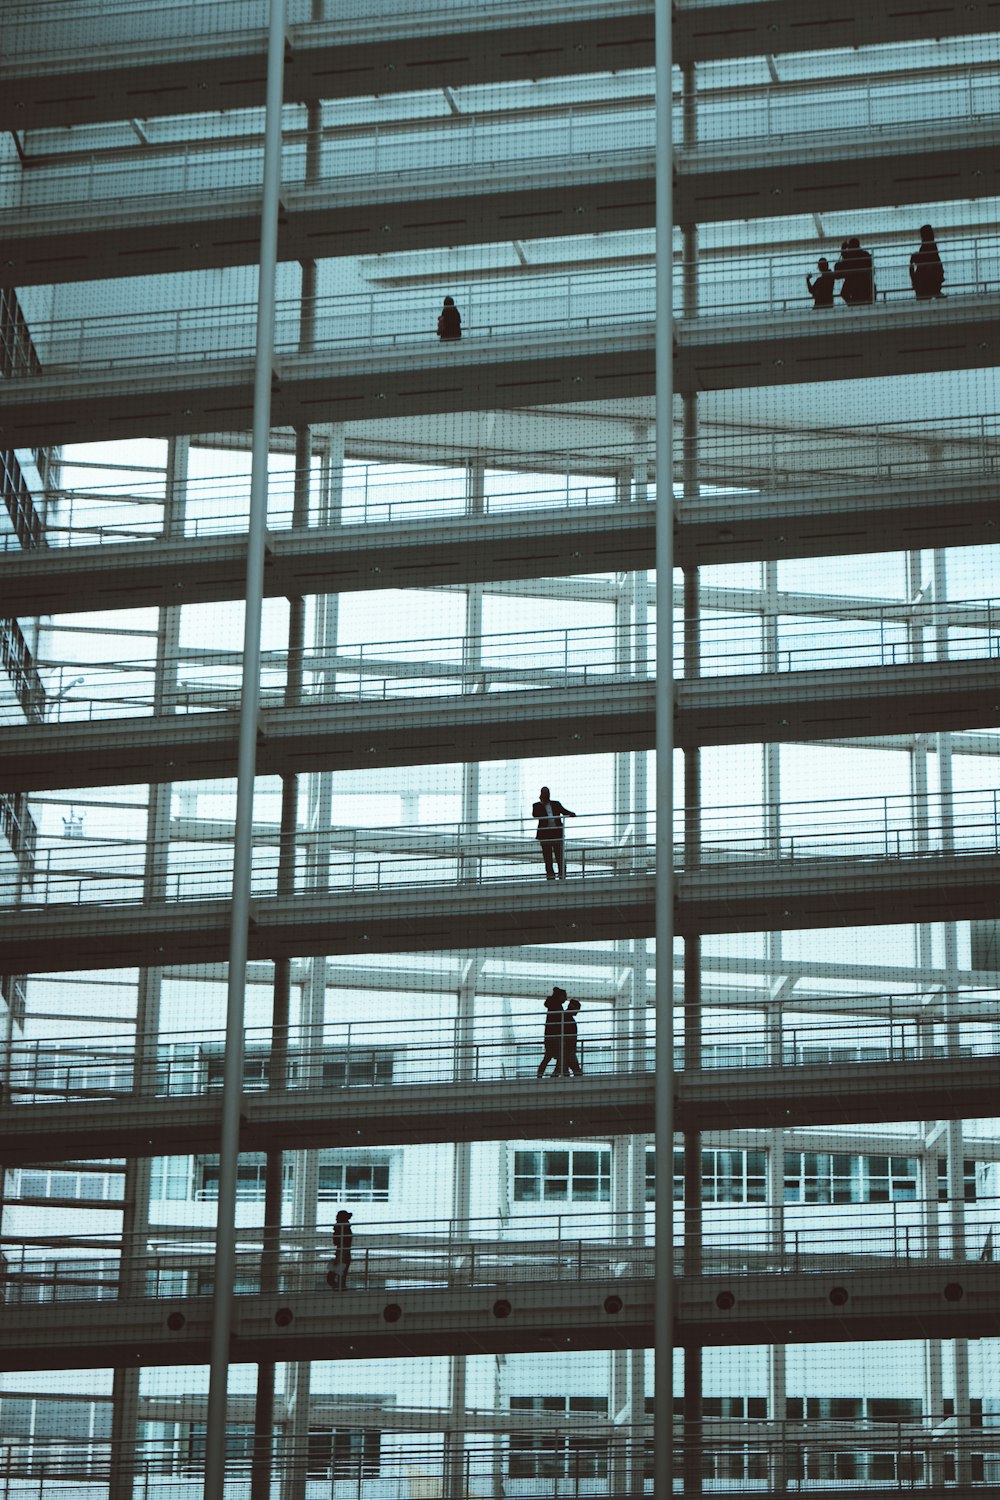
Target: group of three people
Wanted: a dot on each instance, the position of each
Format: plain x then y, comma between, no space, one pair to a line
856,273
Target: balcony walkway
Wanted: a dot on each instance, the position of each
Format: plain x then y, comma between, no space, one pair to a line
598,1105
106,78
552,542
602,1301
395,212
488,370
747,894
614,713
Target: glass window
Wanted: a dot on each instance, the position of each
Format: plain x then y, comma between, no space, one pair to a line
555,1454
562,1176
363,1178
343,1452
730,1176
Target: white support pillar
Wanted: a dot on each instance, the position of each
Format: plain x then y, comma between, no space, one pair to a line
138,1169
225,1237
640,625
663,1314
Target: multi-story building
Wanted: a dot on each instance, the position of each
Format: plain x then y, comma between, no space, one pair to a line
460,606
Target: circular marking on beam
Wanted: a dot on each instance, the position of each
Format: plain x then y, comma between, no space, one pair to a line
725,1301
283,1316
392,1312
502,1308
839,1296
613,1304
176,1321
953,1292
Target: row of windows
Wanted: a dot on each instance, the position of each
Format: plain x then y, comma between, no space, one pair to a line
731,1176
361,1179
564,1175
333,1452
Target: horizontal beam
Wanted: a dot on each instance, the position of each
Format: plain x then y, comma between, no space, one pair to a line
500,372
903,1300
551,197
424,553
596,1106
113,80
485,1110
615,714
753,895
549,543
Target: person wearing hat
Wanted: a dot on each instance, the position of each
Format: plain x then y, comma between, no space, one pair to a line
554,1034
342,1238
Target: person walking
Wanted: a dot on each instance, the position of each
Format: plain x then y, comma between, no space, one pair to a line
821,289
449,321
343,1238
550,831
554,1037
926,270
571,1058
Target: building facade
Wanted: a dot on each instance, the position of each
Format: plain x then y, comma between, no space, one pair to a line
461,619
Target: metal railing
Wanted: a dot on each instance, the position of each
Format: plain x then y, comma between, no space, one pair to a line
733,466
570,1458
556,307
207,680
196,863
738,1240
365,1054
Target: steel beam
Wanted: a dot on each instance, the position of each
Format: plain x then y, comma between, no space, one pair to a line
115,80
829,1303
498,372
546,198
597,1106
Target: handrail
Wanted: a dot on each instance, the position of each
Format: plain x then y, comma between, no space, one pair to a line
893,828
595,302
367,1054
856,1236
581,657
733,464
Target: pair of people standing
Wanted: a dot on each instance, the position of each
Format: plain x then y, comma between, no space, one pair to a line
561,1036
854,269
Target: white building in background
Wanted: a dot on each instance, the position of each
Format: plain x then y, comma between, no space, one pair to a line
460,609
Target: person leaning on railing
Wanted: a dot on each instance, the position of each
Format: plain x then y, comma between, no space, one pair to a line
549,832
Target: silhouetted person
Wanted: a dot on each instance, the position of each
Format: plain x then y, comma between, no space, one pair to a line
449,321
571,1058
555,1038
342,1240
926,270
855,269
821,288
549,832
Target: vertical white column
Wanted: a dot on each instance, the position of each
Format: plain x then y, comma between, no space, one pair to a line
663,1315
225,1237
138,1169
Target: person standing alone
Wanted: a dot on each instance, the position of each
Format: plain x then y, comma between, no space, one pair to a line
926,270
549,833
449,321
343,1238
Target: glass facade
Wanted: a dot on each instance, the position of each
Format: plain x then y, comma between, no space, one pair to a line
454,984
